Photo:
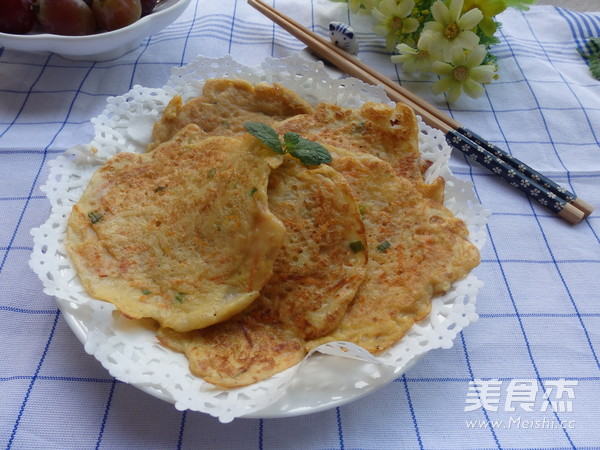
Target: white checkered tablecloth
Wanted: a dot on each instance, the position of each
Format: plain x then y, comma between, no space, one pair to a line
533,355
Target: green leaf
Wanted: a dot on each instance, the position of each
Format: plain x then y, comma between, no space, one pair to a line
310,153
595,66
520,4
593,57
266,134
291,140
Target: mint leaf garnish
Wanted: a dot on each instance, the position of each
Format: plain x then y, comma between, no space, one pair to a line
291,140
266,134
308,152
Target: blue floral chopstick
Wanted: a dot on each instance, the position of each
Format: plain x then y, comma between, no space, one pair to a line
545,182
517,175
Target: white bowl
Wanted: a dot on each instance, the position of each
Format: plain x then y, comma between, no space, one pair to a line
99,46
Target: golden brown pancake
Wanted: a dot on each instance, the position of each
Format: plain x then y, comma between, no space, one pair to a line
316,275
224,107
390,133
417,249
317,271
192,233
183,234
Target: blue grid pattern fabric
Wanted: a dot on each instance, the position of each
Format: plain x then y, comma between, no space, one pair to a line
525,375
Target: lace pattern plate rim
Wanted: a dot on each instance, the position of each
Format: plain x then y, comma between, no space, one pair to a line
332,376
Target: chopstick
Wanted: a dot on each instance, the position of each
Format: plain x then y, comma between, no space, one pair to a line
526,179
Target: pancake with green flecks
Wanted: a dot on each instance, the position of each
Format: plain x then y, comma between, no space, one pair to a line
225,105
182,234
417,249
316,275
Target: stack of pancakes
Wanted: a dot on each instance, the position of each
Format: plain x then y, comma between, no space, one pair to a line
247,259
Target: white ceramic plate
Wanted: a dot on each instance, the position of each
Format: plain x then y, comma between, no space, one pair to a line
99,46
338,373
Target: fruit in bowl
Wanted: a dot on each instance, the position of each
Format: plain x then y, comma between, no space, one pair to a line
115,14
66,17
101,45
71,17
16,16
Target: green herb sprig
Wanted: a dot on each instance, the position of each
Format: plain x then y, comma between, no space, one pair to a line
308,152
593,57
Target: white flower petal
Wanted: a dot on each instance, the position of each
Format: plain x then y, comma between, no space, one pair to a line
482,74
378,15
425,41
410,66
472,88
476,56
390,42
405,49
455,9
388,7
470,19
409,25
457,54
442,68
423,66
467,40
405,7
380,30
442,85
453,93
433,27
440,12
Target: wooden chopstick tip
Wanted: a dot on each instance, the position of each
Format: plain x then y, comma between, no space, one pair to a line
583,206
571,214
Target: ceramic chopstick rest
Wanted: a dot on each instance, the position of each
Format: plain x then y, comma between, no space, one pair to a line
342,35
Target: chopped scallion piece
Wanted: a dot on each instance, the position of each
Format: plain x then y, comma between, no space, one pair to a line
94,216
357,246
383,246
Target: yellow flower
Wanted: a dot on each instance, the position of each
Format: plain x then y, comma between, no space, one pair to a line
416,60
393,21
451,29
463,73
489,9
